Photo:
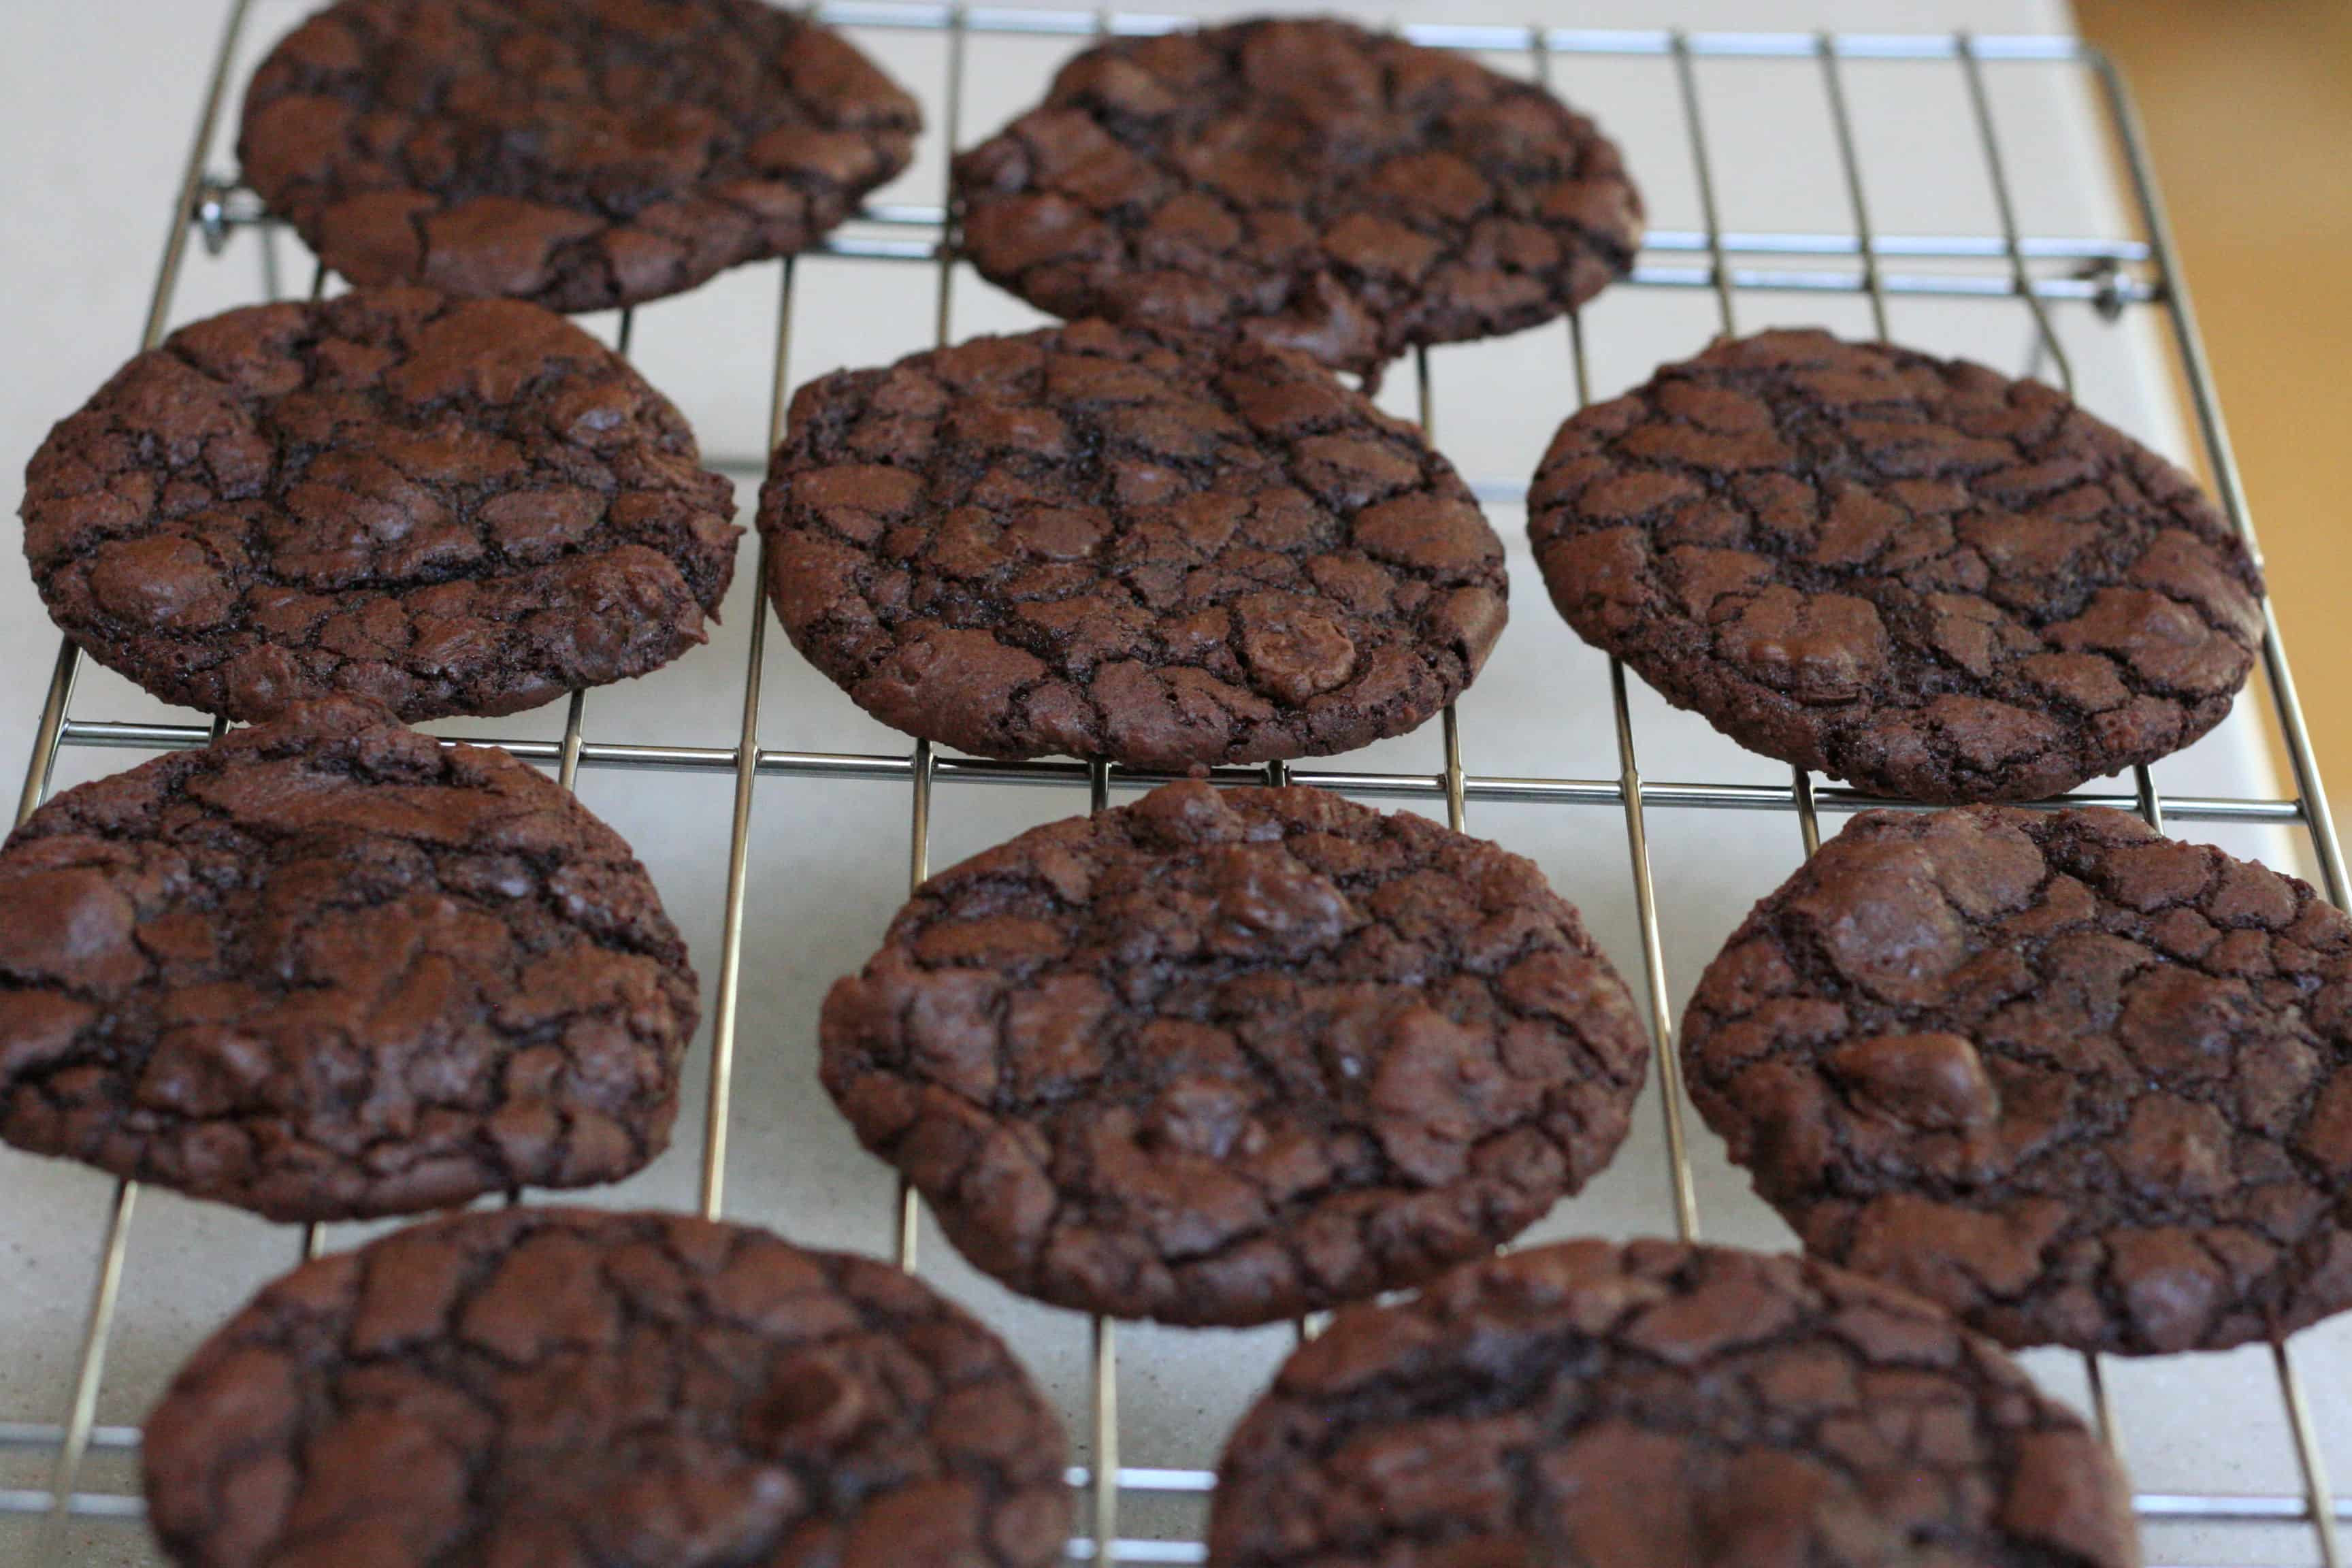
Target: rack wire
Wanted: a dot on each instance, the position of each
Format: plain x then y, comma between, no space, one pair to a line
2108,277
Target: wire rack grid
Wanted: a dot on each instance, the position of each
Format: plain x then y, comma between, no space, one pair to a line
2106,277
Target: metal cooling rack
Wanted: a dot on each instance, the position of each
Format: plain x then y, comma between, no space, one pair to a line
2108,277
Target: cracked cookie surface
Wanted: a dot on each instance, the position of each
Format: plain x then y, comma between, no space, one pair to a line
579,154
441,505
1910,572
328,968
1229,1055
1302,182
571,1389
1090,540
2083,1084
1609,1407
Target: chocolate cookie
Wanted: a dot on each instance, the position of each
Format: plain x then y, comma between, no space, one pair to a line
1225,1056
565,1389
580,153
329,968
441,506
1910,572
1301,182
2085,1085
1093,542
1622,1406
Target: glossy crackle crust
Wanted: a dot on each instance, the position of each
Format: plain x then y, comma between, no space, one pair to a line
1306,184
1906,572
1099,542
565,1389
329,968
2083,1084
1656,1402
578,153
1229,1056
442,506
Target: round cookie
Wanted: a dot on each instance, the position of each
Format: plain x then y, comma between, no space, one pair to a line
1909,573
1654,1402
441,506
581,155
1099,543
2083,1084
1301,182
1230,1055
567,1388
329,968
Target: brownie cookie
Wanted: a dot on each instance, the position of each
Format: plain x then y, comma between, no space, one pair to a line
580,153
1094,542
570,1389
2083,1084
329,968
1225,1056
1910,572
1653,1403
1302,182
441,506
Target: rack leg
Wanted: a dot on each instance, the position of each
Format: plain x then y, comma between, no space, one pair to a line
567,766
1683,1187
1103,1481
907,1208
44,765
1103,1478
718,1106
1456,804
1654,965
1277,777
2102,1408
91,1372
2308,1456
908,1205
1809,820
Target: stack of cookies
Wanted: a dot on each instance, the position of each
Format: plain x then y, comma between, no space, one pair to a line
1226,1055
